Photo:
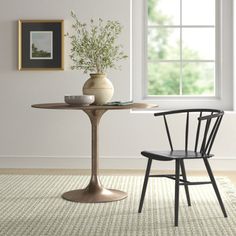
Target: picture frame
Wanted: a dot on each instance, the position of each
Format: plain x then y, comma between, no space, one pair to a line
40,44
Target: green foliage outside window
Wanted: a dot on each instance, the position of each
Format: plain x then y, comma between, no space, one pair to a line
164,78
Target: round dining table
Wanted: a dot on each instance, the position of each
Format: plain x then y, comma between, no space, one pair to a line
95,192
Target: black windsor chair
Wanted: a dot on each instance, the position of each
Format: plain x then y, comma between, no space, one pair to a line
208,122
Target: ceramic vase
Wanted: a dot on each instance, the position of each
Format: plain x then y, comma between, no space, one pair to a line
99,86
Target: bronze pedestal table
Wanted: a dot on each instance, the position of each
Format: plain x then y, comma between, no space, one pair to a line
94,192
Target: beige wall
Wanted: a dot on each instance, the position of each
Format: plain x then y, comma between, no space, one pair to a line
61,139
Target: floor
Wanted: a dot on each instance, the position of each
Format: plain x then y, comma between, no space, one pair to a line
230,174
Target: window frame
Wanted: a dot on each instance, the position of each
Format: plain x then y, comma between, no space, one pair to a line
223,98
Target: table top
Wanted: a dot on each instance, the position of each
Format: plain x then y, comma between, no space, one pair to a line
65,106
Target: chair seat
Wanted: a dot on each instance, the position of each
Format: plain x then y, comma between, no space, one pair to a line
172,155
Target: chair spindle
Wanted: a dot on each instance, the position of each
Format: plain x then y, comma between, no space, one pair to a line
186,132
168,132
214,135
198,131
203,149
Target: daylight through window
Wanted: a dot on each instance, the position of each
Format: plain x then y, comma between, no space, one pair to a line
180,49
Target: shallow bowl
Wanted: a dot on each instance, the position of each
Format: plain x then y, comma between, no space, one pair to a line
82,100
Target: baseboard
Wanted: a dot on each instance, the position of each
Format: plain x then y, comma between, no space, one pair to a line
84,162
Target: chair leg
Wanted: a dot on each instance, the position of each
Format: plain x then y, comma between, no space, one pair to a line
215,186
185,178
145,185
177,165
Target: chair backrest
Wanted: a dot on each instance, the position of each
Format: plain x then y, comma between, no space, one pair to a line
208,122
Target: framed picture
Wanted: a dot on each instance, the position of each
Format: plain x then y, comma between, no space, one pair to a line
41,44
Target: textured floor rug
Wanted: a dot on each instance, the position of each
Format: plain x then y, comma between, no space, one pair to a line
32,205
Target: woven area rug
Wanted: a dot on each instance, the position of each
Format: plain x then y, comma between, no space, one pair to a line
32,205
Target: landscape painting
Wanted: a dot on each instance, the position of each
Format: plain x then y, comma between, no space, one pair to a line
41,45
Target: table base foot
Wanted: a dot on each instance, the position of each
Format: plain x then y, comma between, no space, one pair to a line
86,196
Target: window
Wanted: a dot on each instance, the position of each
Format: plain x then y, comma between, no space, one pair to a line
181,53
